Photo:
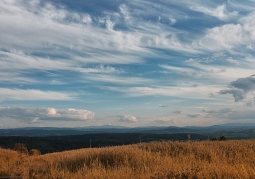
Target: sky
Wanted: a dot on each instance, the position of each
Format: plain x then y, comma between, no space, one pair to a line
126,63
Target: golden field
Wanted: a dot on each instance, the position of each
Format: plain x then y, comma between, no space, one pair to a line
155,160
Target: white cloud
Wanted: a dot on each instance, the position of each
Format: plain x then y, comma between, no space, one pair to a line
127,118
218,55
99,69
125,12
71,113
78,38
250,47
180,70
16,65
224,37
200,92
51,111
220,12
220,74
17,60
191,61
43,43
77,34
8,76
229,37
232,61
165,121
32,94
57,30
35,120
196,70
162,106
172,20
248,7
119,79
35,115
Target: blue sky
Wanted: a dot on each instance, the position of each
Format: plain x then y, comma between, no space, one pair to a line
126,63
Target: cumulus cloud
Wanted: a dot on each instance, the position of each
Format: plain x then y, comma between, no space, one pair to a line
166,121
238,94
35,120
240,87
229,36
35,115
245,84
127,118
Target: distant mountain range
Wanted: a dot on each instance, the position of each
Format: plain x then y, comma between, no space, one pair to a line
51,139
231,130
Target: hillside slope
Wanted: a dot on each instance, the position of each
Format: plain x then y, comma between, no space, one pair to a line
155,160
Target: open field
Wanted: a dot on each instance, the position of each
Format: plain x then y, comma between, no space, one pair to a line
155,160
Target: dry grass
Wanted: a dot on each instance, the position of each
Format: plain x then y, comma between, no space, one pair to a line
157,160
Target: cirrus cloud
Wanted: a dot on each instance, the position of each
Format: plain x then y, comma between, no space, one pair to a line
33,94
220,12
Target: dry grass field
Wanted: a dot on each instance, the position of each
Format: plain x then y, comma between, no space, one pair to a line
156,160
